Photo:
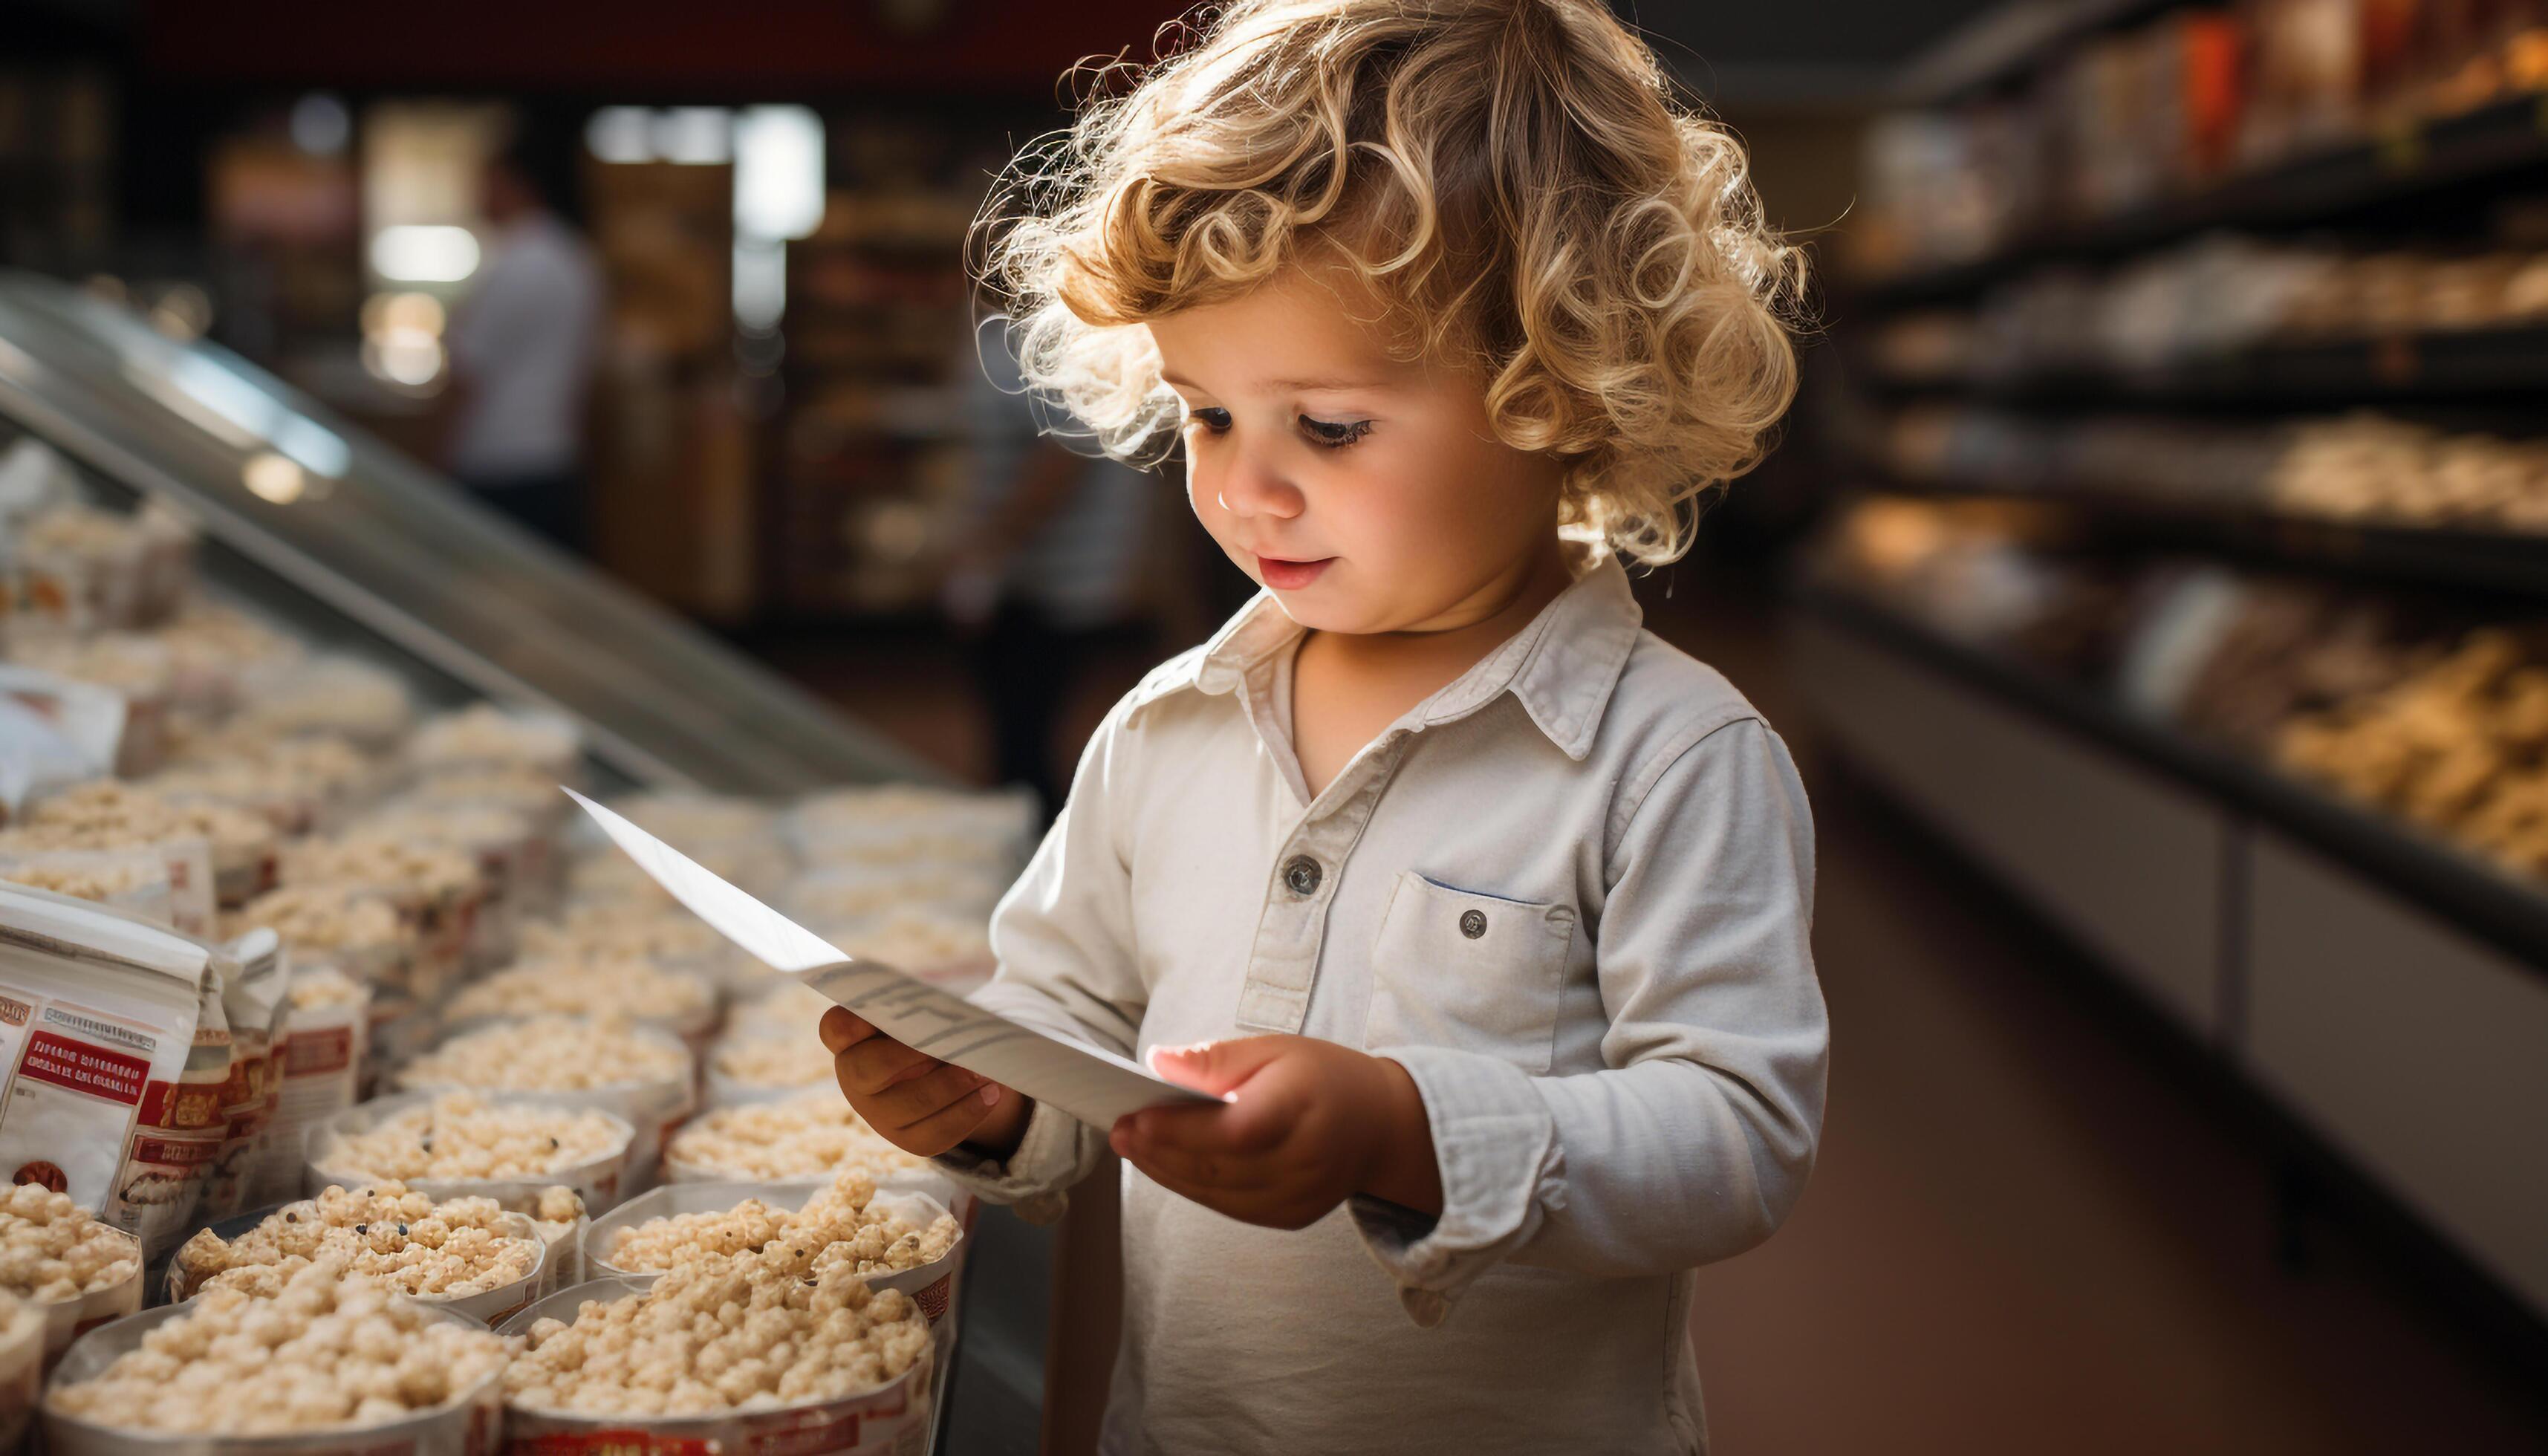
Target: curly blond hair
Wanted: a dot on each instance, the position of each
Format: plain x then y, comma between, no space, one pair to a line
1514,179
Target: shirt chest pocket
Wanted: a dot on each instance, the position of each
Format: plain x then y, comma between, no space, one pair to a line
1451,968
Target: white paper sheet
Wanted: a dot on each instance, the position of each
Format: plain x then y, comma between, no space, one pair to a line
1088,1082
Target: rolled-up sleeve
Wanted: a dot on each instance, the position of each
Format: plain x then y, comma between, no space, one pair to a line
1697,1141
1063,939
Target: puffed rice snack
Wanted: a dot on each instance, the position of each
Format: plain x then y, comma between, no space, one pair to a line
789,1325
462,1135
772,1059
811,1136
52,1249
327,1353
405,1241
844,1214
598,986
549,1054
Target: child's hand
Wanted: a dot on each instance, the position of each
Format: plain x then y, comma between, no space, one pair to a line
916,1102
1311,1124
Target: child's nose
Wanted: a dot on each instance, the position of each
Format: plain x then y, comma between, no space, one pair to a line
1253,486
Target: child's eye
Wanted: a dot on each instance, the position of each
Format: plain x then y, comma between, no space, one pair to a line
1215,420
1334,435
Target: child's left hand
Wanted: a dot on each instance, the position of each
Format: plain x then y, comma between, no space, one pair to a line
1311,1124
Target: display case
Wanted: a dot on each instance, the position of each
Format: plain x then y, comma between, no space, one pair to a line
339,541
353,542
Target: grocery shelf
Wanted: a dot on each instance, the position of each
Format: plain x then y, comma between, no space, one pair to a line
2498,139
2488,904
2451,557
2509,364
2011,42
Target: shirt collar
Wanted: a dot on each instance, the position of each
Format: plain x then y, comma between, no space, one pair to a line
1560,667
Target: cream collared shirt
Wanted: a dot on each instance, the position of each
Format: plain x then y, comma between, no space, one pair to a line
1571,894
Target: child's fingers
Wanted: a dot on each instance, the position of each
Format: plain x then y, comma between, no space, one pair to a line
1190,1168
915,1098
841,1027
1215,1130
947,1126
871,1066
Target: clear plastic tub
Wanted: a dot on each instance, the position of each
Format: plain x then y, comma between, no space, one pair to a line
67,1320
490,1307
931,1286
467,1426
598,1181
889,1420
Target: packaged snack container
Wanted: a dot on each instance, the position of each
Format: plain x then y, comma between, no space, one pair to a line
656,1107
22,1371
67,1320
320,1060
490,1307
723,1089
889,1420
484,1001
467,1426
598,1180
931,1286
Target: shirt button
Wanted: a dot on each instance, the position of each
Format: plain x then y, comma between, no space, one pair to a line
1473,922
1303,876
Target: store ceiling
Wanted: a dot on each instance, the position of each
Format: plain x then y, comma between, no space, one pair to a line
1832,48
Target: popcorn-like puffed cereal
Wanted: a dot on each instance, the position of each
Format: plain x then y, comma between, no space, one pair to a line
103,880
318,987
549,1054
790,1008
105,813
696,818
773,1059
208,637
127,661
381,860
915,942
325,1352
462,1135
845,1214
789,1325
405,1239
326,916
605,933
811,1136
333,696
51,1250
486,734
586,988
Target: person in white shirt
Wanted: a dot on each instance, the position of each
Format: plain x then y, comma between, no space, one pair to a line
1051,564
1485,911
523,347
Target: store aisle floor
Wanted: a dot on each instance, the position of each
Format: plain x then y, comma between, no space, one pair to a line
2027,1232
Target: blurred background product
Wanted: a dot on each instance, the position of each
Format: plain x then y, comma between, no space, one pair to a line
403,412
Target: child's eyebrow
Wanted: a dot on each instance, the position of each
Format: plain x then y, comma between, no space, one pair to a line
1277,384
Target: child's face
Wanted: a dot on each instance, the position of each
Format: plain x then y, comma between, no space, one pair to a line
1368,491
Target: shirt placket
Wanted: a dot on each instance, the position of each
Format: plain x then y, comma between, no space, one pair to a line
1309,864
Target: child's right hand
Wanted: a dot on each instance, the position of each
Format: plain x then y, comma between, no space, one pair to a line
916,1102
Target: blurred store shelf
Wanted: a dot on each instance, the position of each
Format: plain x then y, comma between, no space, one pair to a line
2440,557
2500,141
2509,364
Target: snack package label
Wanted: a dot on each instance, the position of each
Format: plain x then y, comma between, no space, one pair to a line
95,1070
78,1076
317,1052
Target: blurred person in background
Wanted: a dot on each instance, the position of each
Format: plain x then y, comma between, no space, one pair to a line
1050,562
523,347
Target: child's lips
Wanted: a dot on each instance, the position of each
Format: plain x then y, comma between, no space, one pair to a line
1290,575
